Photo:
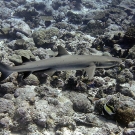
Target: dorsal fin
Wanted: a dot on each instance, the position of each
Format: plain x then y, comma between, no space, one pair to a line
61,51
24,59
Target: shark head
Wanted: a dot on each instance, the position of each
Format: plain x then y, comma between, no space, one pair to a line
108,62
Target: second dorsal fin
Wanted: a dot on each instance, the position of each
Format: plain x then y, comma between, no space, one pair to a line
61,51
24,59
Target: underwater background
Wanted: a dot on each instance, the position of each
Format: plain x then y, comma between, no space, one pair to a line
68,103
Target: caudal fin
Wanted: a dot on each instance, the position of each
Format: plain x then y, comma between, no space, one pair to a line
5,70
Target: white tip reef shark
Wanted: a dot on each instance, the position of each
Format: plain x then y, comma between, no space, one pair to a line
62,62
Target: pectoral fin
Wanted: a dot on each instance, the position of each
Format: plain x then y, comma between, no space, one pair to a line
50,72
90,71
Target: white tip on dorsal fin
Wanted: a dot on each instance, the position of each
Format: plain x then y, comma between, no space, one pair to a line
61,51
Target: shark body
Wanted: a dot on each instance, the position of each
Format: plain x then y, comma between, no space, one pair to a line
63,61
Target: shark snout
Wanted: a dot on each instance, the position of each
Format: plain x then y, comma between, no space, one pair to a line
109,63
114,60
117,61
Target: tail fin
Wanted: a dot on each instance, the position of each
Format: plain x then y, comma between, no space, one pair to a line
5,70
